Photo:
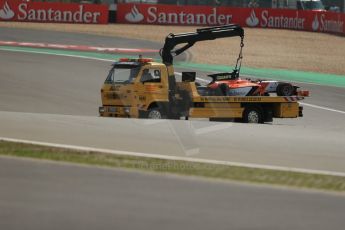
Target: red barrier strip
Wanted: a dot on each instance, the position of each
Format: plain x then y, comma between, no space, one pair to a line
76,47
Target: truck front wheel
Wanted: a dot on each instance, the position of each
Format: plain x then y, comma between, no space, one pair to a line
252,114
155,113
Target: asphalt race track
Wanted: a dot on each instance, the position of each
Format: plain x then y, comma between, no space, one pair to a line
25,35
55,99
60,96
41,195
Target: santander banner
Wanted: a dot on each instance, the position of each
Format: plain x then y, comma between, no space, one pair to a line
52,12
246,17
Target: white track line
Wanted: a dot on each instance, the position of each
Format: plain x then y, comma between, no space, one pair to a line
188,159
177,73
322,107
203,80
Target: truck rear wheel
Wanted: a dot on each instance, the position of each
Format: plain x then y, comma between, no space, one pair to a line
252,114
155,113
285,89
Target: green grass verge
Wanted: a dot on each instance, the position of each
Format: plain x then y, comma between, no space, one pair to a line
303,180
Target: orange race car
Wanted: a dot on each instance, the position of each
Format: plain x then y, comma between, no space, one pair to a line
230,84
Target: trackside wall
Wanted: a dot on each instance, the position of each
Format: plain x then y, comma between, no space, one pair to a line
328,22
316,21
55,12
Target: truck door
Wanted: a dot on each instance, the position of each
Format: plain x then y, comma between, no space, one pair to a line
151,87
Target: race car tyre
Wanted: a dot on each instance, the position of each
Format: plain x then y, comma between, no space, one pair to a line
252,114
285,89
155,113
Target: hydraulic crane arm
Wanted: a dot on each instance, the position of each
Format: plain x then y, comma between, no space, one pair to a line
204,34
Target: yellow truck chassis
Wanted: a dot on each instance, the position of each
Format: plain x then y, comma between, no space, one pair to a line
126,101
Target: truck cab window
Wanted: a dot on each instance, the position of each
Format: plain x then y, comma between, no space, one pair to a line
151,75
122,74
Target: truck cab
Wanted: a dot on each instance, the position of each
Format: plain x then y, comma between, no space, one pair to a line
131,87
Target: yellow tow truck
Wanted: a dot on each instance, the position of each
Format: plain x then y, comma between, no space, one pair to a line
142,88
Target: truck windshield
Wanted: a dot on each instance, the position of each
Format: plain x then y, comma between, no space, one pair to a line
313,5
122,75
